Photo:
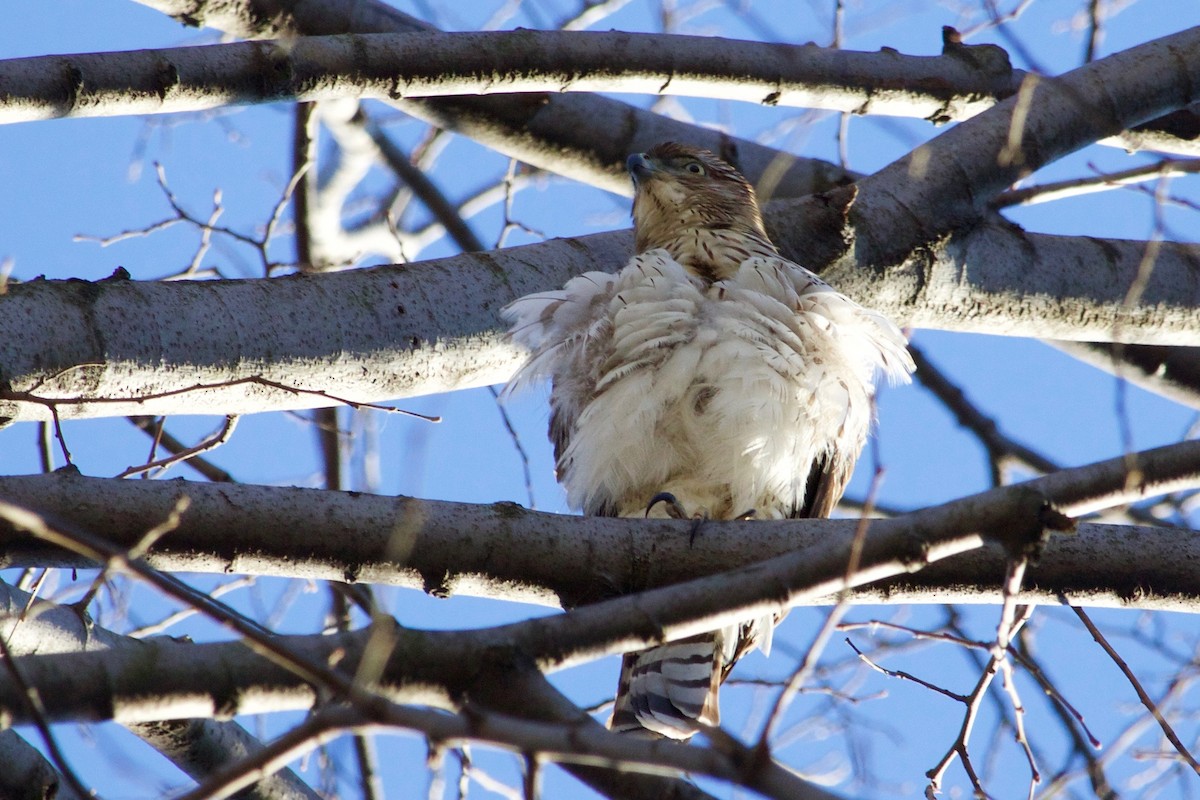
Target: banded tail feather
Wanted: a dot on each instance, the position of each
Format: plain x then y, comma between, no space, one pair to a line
669,689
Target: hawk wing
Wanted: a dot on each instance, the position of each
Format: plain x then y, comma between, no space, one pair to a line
568,334
602,339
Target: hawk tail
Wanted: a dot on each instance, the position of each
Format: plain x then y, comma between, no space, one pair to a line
670,690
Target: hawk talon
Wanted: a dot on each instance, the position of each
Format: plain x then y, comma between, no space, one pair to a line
675,509
746,515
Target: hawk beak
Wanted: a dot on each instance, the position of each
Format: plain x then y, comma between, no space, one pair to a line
639,167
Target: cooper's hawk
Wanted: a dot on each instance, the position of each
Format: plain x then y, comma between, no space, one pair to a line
709,372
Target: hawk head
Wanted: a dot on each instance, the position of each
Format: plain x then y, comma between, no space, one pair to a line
683,191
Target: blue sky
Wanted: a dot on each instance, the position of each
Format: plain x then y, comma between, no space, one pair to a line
95,177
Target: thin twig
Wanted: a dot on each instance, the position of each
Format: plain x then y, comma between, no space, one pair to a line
1094,31
1010,613
1025,660
1000,448
52,403
165,623
1100,182
959,748
212,443
155,428
430,195
1150,705
907,676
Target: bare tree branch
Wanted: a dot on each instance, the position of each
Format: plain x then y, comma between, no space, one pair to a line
581,741
946,184
435,64
247,346
954,86
860,234
504,551
922,241
1154,708
27,775
584,137
196,746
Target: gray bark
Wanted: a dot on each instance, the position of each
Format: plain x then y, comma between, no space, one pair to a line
27,775
908,241
196,746
503,551
233,347
434,64
426,667
399,66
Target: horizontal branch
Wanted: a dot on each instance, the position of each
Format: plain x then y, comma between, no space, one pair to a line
998,279
426,667
204,747
504,551
119,347
190,675
398,66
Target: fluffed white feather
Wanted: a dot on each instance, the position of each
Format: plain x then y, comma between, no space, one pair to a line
722,394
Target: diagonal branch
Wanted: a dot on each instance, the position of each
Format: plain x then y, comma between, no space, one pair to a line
947,184
196,746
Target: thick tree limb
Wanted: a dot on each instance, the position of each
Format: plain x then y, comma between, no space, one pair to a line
897,223
481,680
557,132
27,775
95,363
426,667
504,551
403,66
551,136
202,746
948,183
436,64
222,347
196,746
984,66
584,137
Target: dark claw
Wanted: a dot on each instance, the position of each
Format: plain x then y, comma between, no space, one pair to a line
674,509
745,515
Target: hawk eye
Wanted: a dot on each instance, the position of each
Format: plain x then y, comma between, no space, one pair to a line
694,167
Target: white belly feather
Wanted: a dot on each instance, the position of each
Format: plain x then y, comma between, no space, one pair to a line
722,394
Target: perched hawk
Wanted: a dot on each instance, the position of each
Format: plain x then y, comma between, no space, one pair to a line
710,372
